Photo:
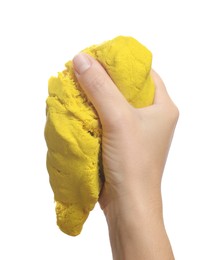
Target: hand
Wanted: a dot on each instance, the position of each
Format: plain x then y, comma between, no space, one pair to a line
135,146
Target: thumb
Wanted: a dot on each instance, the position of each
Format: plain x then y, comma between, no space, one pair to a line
99,88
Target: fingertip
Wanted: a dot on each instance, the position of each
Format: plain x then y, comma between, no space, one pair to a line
81,63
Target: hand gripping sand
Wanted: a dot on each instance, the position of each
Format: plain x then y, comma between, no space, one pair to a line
73,130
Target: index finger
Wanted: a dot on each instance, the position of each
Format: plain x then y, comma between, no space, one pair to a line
161,94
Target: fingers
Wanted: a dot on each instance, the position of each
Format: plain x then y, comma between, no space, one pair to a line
162,97
110,104
161,94
99,88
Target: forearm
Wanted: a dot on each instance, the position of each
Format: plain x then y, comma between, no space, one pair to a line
137,231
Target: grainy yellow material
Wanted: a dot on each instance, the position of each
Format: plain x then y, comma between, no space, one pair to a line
73,130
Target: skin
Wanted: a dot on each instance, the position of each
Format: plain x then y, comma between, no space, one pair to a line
135,147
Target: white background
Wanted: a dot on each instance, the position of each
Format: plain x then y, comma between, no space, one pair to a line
187,40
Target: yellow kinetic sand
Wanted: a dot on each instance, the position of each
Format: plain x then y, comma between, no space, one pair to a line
73,130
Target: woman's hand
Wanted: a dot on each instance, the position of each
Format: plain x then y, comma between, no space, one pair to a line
135,145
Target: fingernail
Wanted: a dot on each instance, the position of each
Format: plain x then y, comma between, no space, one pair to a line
81,63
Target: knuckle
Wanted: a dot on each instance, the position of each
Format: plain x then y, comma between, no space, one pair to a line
122,120
97,82
170,114
173,113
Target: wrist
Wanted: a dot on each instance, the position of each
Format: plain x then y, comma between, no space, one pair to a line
132,214
136,229
132,191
